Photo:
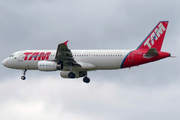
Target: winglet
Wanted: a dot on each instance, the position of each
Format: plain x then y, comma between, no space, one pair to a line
66,42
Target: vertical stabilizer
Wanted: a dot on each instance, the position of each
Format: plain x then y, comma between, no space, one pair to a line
155,38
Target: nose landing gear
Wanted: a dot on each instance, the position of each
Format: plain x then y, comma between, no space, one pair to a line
24,73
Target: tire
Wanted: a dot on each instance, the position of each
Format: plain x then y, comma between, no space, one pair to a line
23,77
71,75
86,80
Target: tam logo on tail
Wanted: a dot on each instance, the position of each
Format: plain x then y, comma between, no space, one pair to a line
156,37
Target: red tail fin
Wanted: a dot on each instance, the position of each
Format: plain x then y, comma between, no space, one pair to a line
155,38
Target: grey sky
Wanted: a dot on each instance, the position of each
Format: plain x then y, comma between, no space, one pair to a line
150,91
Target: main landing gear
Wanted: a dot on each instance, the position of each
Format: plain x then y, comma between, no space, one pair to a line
71,75
24,73
85,79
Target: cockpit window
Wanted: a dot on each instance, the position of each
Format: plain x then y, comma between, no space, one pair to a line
11,56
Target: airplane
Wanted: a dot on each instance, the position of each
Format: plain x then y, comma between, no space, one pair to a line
76,63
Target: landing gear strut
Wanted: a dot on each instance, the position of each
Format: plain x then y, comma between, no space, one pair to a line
24,73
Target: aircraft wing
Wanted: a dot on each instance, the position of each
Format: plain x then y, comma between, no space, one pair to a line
64,56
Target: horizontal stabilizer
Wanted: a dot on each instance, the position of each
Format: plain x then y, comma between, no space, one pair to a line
152,52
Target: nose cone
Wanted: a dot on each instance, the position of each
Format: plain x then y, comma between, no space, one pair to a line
6,63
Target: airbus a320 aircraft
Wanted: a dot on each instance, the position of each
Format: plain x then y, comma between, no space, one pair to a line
76,63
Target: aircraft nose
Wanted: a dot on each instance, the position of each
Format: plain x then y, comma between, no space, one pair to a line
5,63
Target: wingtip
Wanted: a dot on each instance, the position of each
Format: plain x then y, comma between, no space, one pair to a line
66,42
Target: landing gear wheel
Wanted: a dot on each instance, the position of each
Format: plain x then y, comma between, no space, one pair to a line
71,75
86,80
23,77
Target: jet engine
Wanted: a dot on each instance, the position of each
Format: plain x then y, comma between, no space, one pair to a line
49,66
74,74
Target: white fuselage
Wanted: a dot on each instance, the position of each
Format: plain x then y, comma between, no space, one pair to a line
76,63
101,59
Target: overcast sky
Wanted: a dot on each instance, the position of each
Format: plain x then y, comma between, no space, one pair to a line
147,92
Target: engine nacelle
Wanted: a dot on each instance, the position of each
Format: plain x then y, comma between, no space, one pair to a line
48,66
64,74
